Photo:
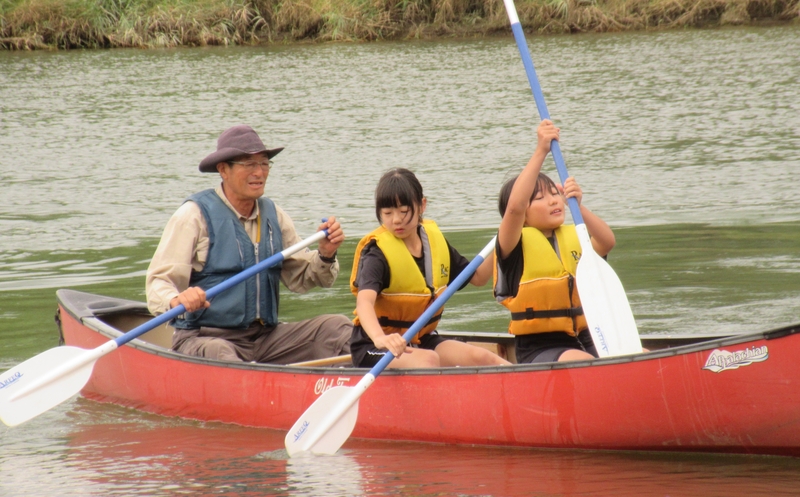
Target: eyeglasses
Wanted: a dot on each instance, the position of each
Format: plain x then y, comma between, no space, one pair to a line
251,165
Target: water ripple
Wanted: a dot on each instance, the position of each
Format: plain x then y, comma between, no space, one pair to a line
658,127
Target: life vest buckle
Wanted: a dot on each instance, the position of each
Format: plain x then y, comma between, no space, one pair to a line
530,313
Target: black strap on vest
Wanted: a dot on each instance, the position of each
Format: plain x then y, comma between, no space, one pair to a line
394,323
529,313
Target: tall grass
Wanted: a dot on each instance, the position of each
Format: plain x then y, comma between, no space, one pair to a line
63,24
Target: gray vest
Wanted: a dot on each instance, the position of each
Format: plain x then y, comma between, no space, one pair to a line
230,251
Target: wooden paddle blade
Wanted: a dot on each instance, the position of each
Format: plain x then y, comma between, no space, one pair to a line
310,433
606,307
14,411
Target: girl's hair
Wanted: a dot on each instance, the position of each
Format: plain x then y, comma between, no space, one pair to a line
542,183
396,188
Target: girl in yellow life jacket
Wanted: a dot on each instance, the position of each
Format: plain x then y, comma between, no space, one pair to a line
398,270
537,257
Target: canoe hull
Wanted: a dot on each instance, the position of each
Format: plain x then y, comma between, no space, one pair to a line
736,395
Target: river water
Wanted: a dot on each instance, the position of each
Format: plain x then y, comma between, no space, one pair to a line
687,143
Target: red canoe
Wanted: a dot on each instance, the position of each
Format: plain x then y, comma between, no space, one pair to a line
735,394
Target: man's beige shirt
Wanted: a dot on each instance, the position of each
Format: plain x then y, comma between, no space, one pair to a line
184,247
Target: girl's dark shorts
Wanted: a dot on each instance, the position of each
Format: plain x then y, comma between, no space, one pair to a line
548,347
365,355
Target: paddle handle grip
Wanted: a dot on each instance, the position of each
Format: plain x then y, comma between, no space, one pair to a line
437,304
541,105
225,285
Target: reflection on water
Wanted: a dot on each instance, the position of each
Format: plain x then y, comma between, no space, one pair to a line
339,474
106,450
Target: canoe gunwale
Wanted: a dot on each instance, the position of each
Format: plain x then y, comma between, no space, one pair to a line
90,310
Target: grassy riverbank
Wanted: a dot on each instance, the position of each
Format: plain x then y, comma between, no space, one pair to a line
64,24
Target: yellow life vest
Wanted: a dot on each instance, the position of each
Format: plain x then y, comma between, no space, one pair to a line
409,292
547,299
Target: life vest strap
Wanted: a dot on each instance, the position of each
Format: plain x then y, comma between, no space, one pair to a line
385,322
529,313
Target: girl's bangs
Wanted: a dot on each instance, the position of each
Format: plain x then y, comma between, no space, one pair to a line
395,190
544,183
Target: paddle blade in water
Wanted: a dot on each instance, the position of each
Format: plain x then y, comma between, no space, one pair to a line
328,422
310,433
19,403
606,307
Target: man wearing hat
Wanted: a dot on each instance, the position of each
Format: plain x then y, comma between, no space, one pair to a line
216,234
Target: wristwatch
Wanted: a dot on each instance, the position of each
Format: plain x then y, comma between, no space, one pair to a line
328,260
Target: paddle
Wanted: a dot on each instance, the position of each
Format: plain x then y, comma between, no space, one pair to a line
329,421
605,304
50,378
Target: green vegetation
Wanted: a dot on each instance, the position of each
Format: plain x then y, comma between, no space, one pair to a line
64,24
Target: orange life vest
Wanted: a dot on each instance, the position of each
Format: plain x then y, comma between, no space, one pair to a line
547,299
409,292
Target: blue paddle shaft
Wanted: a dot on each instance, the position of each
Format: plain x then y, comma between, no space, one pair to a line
597,282
538,96
211,292
437,304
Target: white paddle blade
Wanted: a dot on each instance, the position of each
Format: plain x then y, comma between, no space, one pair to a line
16,409
606,307
310,433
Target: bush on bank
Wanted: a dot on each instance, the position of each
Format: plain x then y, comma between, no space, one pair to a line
64,24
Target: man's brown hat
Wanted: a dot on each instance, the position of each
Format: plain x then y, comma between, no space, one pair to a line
234,142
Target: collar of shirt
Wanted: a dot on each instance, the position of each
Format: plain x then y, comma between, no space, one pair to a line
249,222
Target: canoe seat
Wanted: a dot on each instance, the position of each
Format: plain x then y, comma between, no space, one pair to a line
160,335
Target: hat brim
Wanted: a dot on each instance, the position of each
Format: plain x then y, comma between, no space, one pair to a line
209,164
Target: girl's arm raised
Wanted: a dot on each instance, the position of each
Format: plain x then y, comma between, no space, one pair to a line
603,239
514,217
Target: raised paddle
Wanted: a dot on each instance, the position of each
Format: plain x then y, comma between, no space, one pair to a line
329,421
604,302
48,379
